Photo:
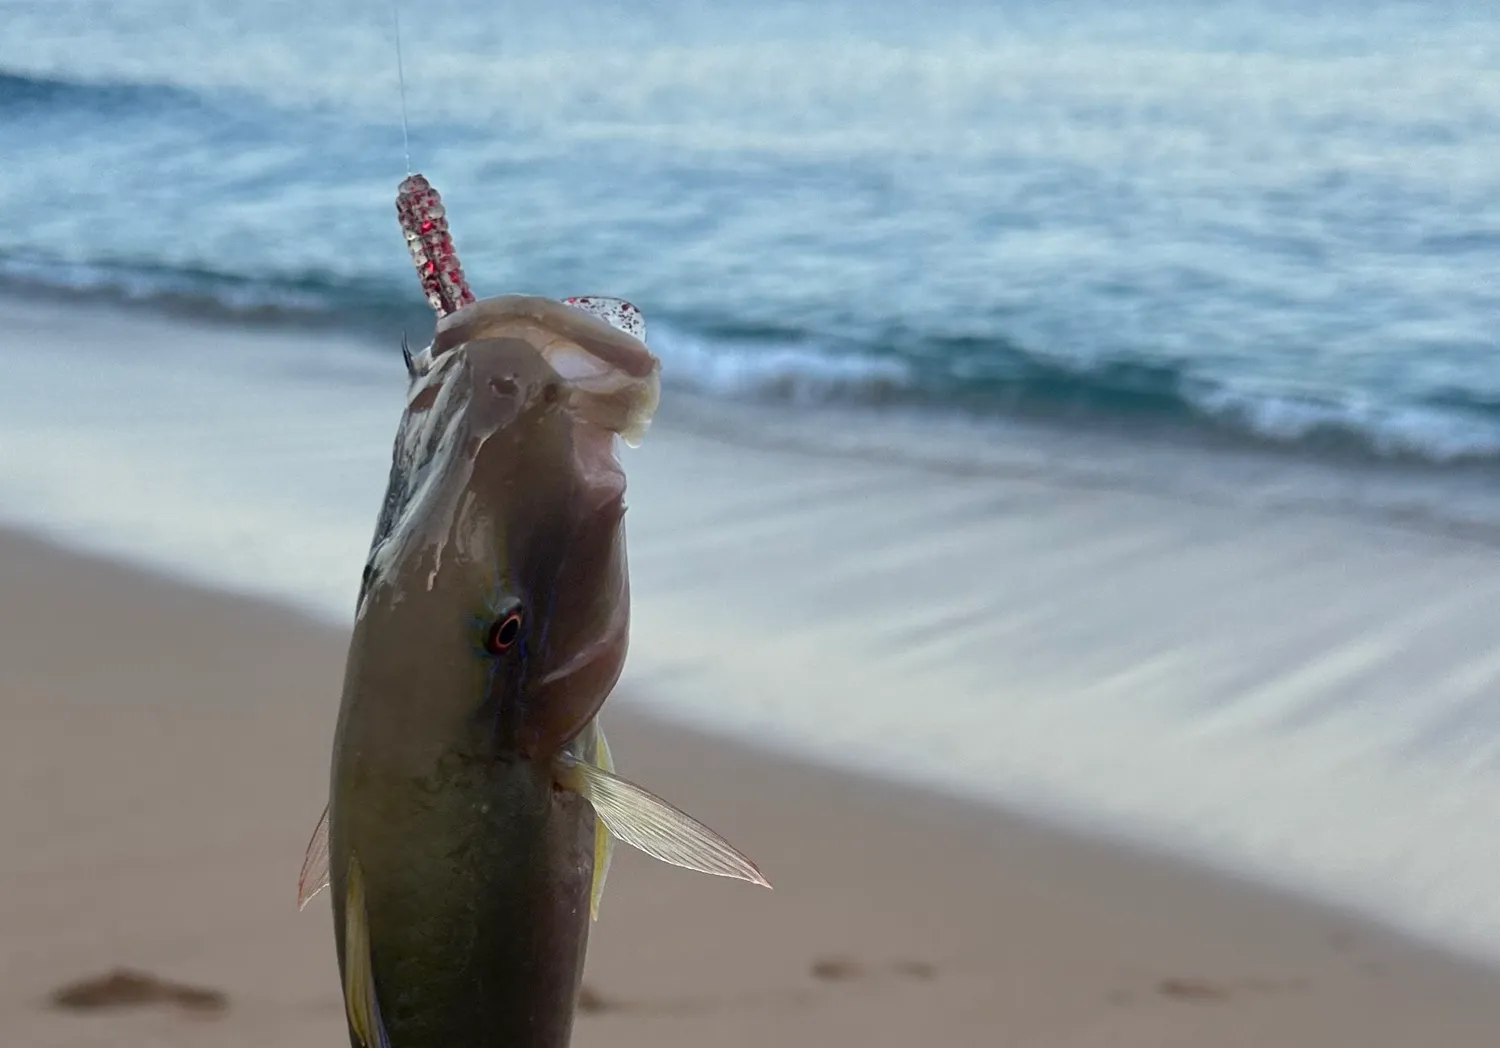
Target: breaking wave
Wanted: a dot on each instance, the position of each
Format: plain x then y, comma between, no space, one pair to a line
974,376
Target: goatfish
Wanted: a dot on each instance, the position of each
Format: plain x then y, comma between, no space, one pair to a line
473,800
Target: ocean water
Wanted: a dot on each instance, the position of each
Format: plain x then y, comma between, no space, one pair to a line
1263,219
1260,230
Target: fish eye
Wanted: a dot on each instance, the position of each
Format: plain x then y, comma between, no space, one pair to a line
503,633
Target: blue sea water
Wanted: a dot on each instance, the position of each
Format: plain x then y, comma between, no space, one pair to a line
1255,225
1260,219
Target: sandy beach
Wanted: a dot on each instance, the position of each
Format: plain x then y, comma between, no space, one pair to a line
166,754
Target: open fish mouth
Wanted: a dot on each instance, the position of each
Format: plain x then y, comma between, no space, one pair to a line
591,342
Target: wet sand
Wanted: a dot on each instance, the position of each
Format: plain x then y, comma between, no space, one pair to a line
166,754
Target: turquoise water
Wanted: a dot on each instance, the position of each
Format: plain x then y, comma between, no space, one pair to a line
1254,219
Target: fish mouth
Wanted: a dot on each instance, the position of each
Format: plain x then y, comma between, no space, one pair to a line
613,377
612,348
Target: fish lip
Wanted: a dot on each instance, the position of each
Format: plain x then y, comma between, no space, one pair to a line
613,376
617,348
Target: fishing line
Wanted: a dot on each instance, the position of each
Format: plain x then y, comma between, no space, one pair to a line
424,220
401,79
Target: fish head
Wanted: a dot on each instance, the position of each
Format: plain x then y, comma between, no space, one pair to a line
497,582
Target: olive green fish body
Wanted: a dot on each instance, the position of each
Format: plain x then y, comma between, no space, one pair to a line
472,799
475,867
478,876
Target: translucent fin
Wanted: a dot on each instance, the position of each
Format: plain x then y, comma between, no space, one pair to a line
604,841
314,876
359,980
615,312
645,821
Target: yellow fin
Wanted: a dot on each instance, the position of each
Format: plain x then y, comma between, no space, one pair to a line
645,821
314,877
604,842
360,1003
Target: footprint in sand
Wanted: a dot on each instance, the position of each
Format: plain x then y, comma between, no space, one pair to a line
591,1001
838,969
1204,991
123,988
1192,990
847,969
825,969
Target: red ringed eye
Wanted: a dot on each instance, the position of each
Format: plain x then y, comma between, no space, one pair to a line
503,634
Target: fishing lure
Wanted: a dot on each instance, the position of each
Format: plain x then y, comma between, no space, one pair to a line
424,221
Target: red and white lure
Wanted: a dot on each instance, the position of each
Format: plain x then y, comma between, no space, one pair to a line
424,221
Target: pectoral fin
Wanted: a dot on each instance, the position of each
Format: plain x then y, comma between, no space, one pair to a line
314,876
645,821
360,1003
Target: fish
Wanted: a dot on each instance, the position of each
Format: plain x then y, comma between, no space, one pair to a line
473,799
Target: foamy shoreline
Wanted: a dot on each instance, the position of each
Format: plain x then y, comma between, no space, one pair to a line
1299,697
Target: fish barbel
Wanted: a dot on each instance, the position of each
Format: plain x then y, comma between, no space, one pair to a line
473,800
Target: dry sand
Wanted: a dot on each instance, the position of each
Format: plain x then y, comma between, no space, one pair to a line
165,755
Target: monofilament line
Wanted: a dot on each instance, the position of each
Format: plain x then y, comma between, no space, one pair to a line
401,79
